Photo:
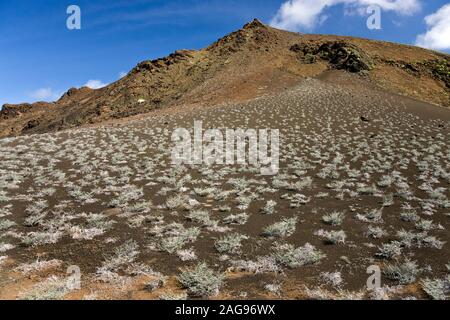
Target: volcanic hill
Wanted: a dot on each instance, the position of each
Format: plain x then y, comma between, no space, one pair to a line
254,61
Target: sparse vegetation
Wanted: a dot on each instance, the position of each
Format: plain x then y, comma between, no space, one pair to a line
282,229
375,232
437,289
201,281
269,208
390,250
332,237
291,257
404,273
334,219
51,289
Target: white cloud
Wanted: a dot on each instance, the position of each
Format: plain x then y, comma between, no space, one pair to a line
122,74
438,33
45,94
95,84
306,14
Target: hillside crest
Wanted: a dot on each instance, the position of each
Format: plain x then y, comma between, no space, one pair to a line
252,61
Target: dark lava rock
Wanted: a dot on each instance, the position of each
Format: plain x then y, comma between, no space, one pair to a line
364,119
340,54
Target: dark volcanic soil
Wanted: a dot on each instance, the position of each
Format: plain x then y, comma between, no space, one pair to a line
78,196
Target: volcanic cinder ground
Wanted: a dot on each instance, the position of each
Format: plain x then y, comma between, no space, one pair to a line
363,181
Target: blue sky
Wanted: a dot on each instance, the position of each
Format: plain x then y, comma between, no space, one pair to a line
40,58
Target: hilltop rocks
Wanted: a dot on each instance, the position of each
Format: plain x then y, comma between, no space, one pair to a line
155,65
75,94
253,36
10,111
341,55
178,56
231,43
346,56
441,70
254,24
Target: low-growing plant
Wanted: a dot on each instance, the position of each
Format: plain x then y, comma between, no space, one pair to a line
420,240
201,281
230,243
187,255
302,184
203,192
409,216
404,273
437,289
173,297
297,200
4,196
375,232
390,250
225,209
273,288
269,208
176,201
388,200
199,216
6,224
264,264
332,237
334,218
291,257
122,256
386,181
367,190
51,289
6,247
332,278
239,219
39,265
425,225
35,219
177,239
373,216
155,284
33,239
282,229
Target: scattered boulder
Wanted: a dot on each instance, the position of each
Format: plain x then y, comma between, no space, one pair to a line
31,124
364,119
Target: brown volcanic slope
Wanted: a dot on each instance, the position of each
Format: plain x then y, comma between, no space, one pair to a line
251,62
